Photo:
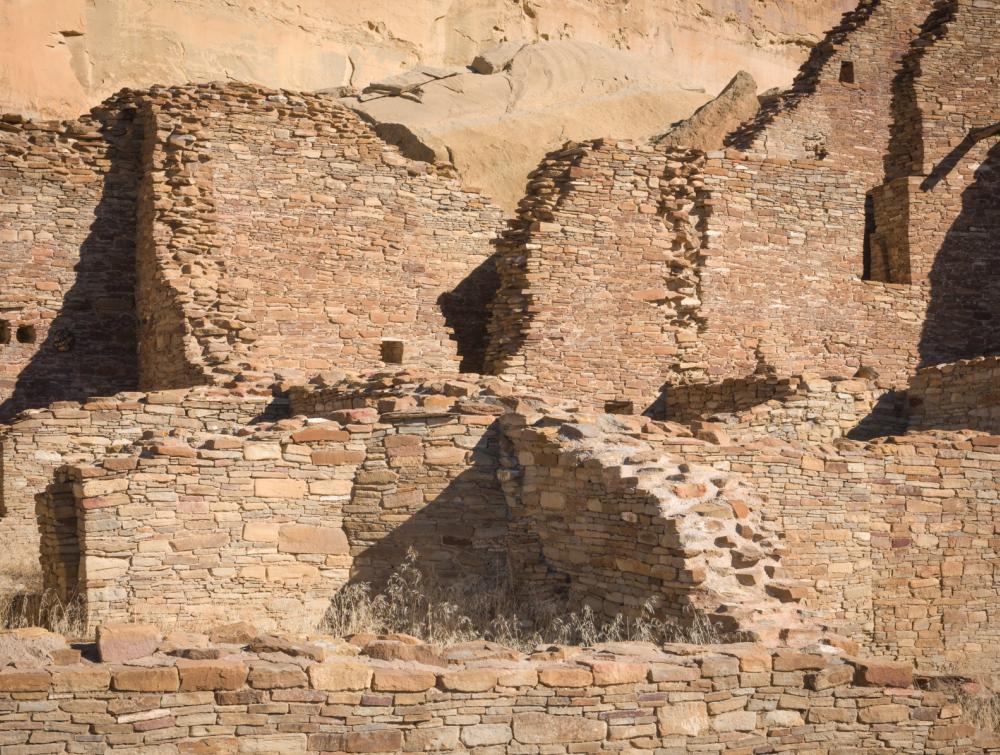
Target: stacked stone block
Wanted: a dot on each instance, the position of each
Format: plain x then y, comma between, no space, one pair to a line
276,694
959,396
896,536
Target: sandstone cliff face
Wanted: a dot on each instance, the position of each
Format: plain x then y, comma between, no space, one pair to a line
61,57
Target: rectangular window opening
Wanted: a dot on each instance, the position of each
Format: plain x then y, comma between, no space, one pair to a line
847,71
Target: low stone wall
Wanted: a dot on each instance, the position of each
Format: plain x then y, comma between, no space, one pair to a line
602,518
958,396
41,440
269,525
896,537
270,694
800,407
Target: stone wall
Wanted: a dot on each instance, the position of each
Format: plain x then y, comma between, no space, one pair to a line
272,694
800,407
938,216
41,440
599,517
67,229
599,284
959,396
267,526
896,537
851,71
287,236
782,279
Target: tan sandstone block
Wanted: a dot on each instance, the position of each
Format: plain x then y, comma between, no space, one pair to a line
872,673
331,487
607,673
100,568
34,680
270,488
306,538
470,680
80,678
883,714
445,456
340,676
436,739
542,729
402,680
565,676
208,746
261,532
212,541
486,735
261,451
157,679
211,675
125,642
688,719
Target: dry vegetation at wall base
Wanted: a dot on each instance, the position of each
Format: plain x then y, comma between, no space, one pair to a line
306,447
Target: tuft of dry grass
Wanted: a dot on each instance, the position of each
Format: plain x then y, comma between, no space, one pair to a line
415,602
980,704
42,609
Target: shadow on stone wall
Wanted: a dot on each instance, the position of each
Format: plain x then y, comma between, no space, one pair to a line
460,537
964,310
90,347
467,310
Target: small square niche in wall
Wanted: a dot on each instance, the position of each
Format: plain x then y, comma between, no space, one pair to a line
392,351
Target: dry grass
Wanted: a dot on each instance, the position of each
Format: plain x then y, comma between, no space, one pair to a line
42,609
980,704
415,602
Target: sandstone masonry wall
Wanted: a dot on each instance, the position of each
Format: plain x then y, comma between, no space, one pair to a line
801,407
958,396
272,694
943,179
267,527
839,108
290,237
897,537
782,275
41,440
599,286
67,229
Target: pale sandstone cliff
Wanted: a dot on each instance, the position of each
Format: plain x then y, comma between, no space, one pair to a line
496,128
59,57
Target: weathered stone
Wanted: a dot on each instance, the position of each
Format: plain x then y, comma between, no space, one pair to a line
125,642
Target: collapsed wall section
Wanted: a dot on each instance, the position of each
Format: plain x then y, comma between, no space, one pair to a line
287,236
600,518
896,537
67,230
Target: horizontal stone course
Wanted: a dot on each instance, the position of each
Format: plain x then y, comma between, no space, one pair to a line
256,702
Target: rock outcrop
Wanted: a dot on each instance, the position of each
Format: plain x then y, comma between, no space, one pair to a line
59,58
712,122
496,128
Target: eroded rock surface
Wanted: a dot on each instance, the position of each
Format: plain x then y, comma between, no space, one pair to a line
59,58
